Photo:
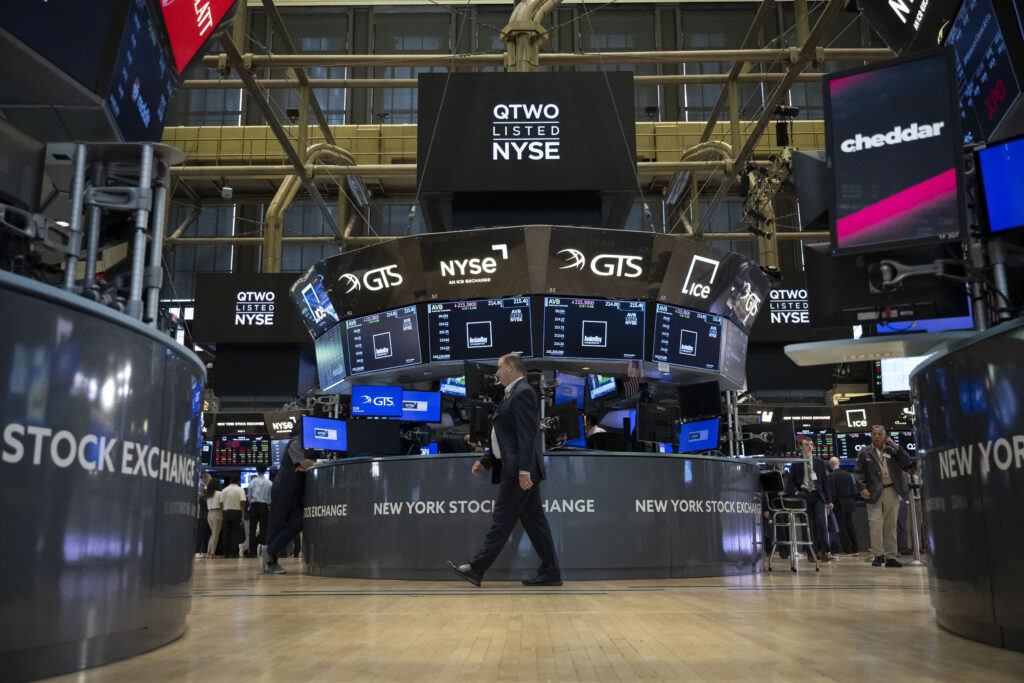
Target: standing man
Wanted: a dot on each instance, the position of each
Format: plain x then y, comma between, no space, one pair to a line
287,497
516,467
259,509
843,487
807,480
879,472
234,508
202,526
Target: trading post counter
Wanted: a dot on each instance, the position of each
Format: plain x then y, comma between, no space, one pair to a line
612,515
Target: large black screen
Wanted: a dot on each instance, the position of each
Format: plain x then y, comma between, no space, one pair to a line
330,357
486,328
383,340
593,328
688,338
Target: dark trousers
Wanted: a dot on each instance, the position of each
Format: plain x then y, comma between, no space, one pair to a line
259,514
285,525
232,532
516,505
816,517
202,534
847,532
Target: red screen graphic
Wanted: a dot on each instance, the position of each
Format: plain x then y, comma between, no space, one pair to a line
190,23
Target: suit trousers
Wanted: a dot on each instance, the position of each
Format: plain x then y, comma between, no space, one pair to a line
259,513
234,532
514,504
847,530
882,520
816,516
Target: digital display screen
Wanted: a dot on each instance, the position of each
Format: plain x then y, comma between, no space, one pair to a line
571,388
330,357
593,328
369,401
206,453
453,386
421,406
599,385
142,83
485,328
1002,176
698,436
824,443
189,24
328,435
895,373
277,450
614,418
315,307
243,451
988,85
688,338
383,340
893,142
248,476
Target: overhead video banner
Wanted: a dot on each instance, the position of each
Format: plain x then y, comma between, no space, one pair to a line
893,144
246,308
517,132
375,278
475,264
620,261
699,277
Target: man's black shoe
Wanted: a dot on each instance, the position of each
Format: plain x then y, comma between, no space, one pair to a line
878,561
466,572
541,580
893,562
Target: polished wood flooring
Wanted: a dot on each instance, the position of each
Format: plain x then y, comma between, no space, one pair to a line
850,622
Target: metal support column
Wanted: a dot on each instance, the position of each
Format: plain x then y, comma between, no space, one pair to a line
154,273
75,220
997,257
93,236
134,305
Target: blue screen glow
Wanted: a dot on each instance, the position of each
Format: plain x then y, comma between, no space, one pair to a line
371,401
329,435
1002,175
698,436
421,406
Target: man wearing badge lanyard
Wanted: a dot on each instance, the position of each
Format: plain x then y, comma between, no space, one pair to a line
808,480
879,472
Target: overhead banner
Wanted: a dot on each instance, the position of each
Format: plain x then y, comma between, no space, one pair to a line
908,25
477,264
375,278
240,424
518,132
248,308
577,260
280,422
699,277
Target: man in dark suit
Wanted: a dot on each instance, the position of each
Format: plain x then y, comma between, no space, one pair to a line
843,487
879,471
809,480
516,467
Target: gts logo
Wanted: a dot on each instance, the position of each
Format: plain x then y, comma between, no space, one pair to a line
379,401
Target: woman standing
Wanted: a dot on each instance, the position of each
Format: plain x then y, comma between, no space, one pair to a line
214,514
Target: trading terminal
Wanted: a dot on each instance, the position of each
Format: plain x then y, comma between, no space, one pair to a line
230,227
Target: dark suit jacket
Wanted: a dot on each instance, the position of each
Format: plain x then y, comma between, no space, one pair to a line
517,428
796,478
843,487
869,474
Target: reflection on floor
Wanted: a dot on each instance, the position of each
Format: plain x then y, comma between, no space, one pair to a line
850,622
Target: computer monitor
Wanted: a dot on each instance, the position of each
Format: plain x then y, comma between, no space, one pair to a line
453,386
482,381
328,435
769,438
376,401
421,406
697,436
657,423
480,415
702,399
374,438
570,388
601,386
564,419
1002,176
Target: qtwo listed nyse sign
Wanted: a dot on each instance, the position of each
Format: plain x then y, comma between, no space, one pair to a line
254,308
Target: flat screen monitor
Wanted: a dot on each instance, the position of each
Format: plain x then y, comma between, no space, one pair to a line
657,423
688,338
454,386
381,341
328,435
375,401
698,436
988,80
601,386
702,399
374,437
480,415
241,451
570,388
206,453
892,136
895,375
564,419
481,381
614,419
483,328
247,476
581,440
769,438
593,328
1002,177
421,406
849,444
330,357
277,449
315,307
824,443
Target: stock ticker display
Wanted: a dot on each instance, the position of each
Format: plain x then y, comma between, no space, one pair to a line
383,340
484,328
241,451
688,338
593,328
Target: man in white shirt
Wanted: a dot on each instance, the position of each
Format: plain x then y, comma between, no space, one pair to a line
259,509
516,466
233,498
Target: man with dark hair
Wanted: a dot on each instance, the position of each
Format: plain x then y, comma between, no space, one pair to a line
843,487
516,467
808,480
287,496
879,472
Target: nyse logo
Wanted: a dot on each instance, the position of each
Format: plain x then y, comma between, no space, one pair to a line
379,401
857,418
254,308
693,286
374,280
283,426
474,266
604,265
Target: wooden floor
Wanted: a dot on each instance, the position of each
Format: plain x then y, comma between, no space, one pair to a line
850,622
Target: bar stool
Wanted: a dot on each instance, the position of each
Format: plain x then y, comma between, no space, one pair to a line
789,512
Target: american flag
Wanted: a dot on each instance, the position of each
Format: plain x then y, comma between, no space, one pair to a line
634,376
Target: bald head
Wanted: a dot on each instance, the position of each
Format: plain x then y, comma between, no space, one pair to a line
833,462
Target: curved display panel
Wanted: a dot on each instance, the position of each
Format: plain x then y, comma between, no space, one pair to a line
383,340
593,328
479,329
687,338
